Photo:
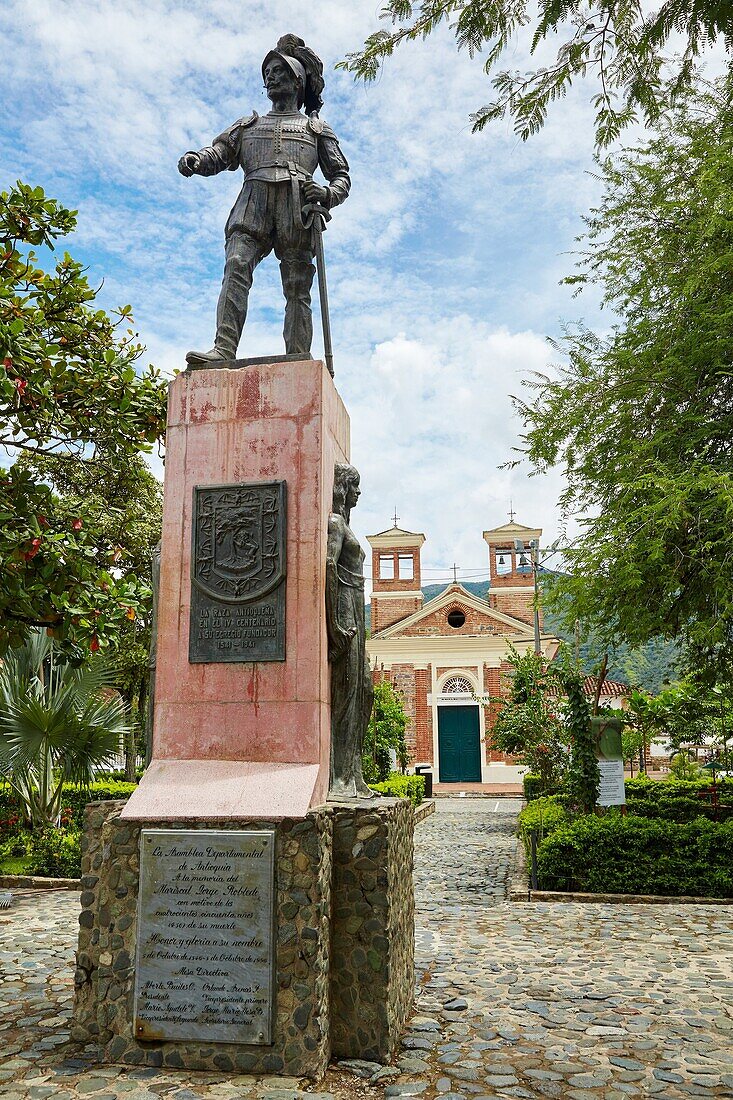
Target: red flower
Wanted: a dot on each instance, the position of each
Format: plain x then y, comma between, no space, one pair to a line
94,644
35,547
76,524
20,385
7,362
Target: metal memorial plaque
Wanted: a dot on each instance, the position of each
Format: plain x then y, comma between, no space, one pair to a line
205,942
238,565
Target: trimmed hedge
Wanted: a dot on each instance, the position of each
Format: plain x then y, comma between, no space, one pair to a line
56,854
402,786
74,799
678,800
543,814
119,774
631,855
533,787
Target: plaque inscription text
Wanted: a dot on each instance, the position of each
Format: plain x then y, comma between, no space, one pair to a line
205,945
238,566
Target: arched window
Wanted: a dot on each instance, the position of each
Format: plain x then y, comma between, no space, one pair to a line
457,685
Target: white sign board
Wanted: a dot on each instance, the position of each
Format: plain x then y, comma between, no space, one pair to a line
611,790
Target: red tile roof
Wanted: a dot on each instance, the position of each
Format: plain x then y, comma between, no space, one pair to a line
613,689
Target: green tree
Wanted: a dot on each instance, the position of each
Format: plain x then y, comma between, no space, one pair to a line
616,42
123,509
692,714
385,734
684,767
57,725
642,417
68,388
529,724
584,775
633,744
643,721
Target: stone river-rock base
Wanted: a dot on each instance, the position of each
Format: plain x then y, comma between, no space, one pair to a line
343,941
372,937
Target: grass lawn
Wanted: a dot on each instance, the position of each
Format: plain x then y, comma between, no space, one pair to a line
14,865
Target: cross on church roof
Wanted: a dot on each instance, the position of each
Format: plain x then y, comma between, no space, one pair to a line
512,513
395,517
455,573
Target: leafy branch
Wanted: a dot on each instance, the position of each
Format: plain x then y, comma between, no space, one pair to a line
612,41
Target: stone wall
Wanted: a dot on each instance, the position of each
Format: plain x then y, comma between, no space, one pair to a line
372,951
86,977
344,944
108,926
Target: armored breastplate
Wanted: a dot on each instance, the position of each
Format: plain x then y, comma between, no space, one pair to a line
278,147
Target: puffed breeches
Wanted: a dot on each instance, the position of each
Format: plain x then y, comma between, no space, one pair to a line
263,221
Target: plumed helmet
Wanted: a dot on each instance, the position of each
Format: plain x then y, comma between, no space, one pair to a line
307,68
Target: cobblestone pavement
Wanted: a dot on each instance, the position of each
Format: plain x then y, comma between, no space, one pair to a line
557,1000
514,1000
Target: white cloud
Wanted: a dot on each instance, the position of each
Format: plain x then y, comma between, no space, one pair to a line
431,430
443,266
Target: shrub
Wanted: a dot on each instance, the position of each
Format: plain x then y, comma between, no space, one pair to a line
402,786
533,787
118,774
56,853
678,800
683,766
58,723
630,855
544,814
74,798
16,846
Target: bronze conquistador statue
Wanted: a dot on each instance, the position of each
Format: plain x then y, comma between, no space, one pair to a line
278,152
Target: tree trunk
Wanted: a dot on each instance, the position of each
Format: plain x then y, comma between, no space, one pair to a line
142,714
130,755
599,684
129,745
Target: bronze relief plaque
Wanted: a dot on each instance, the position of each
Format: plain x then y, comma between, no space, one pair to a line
238,567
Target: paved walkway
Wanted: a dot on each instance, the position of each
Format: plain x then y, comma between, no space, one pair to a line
514,1000
558,1000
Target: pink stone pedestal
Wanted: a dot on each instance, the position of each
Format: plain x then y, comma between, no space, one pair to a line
236,740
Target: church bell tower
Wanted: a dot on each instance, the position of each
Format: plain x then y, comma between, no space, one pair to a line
511,585
396,582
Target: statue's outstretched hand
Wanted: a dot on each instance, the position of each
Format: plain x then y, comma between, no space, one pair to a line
314,192
188,164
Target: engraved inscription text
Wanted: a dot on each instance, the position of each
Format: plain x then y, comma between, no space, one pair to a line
205,944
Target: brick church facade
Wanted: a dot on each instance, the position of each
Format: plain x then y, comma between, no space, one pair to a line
442,653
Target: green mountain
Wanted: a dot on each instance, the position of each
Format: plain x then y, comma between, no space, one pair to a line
648,668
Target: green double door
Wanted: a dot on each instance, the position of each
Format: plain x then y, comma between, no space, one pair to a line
459,744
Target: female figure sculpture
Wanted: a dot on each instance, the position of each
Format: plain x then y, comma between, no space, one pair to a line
352,693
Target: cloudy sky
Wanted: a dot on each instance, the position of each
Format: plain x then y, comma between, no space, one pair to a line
444,264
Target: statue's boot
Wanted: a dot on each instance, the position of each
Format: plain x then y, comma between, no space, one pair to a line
297,271
199,359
